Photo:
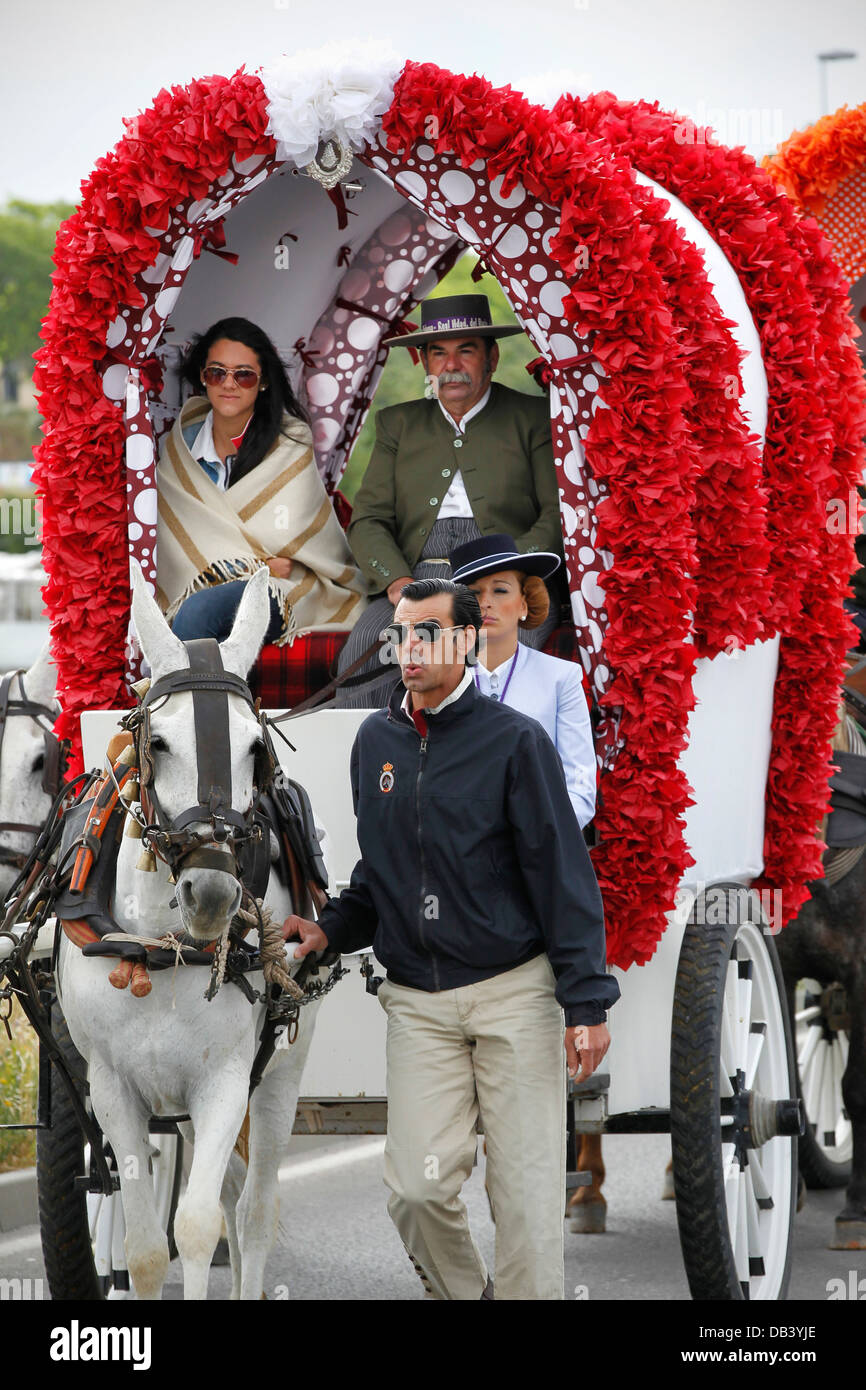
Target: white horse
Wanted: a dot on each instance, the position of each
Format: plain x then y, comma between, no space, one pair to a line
23,802
173,1052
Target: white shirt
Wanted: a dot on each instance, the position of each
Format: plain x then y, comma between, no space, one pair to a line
550,691
434,709
455,502
203,447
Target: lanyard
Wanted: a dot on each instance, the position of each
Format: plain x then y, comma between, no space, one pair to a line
501,698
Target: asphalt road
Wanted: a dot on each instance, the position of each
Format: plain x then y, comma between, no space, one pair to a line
336,1241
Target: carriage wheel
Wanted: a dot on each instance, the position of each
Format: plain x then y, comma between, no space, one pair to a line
827,1147
83,1233
732,1116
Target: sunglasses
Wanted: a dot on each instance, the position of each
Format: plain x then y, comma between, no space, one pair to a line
427,631
245,377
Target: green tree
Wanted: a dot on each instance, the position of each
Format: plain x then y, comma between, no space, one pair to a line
27,236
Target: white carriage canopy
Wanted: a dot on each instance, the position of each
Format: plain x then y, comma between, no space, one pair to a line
706,398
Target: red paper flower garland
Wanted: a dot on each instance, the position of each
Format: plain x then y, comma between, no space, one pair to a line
170,157
813,451
650,462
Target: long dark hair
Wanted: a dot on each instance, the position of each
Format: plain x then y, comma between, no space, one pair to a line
279,398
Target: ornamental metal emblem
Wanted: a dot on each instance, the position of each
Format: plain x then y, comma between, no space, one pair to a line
332,162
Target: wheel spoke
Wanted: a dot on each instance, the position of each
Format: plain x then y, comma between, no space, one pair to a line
753,1215
729,1161
813,1082
744,1012
806,1055
756,1049
841,1126
803,1017
829,1106
763,1195
741,1233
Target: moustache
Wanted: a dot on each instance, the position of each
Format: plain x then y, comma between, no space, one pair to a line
454,379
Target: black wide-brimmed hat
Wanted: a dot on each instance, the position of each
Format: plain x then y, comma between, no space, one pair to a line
489,554
455,316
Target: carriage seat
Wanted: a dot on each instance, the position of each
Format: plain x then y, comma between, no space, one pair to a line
284,676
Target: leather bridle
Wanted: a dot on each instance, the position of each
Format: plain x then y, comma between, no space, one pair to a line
173,839
54,754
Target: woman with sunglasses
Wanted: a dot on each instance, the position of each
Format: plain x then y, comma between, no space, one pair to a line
512,596
238,489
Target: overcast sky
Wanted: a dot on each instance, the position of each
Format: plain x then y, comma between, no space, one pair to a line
73,68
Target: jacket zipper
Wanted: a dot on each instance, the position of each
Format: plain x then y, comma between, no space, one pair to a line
421,900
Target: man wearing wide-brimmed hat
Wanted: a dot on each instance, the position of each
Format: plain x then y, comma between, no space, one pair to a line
471,459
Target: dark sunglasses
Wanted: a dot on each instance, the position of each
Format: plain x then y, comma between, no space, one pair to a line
245,377
427,631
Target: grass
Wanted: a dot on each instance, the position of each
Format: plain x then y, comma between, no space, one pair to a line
18,1075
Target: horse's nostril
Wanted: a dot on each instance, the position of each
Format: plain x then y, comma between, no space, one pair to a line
185,893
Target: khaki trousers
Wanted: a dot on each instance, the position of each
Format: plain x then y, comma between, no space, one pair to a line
497,1045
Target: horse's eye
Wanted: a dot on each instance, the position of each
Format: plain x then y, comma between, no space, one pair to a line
158,745
38,762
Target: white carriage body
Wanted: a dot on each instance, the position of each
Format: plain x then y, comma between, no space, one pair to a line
728,753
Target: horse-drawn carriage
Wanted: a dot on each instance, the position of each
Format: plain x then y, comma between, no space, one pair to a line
706,406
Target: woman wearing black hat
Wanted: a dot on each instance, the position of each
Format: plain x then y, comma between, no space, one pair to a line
513,597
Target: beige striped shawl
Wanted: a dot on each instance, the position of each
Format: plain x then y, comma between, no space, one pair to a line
206,536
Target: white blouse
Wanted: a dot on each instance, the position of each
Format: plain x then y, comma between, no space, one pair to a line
550,691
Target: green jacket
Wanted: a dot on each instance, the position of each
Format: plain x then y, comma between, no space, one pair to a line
506,459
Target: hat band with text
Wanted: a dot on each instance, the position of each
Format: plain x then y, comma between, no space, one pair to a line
462,321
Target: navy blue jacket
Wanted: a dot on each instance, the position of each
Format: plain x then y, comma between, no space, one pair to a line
472,861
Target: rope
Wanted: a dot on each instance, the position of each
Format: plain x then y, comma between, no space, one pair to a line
271,947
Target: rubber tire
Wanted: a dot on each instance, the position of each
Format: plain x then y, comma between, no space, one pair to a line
695,1108
66,1247
65,1229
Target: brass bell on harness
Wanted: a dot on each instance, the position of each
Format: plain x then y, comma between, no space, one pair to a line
133,828
147,861
129,792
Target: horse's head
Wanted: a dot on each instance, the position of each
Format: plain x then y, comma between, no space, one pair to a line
202,753
30,768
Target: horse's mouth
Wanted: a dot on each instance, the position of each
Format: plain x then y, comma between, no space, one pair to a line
208,900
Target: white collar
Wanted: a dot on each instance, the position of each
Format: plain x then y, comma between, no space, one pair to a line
502,669
449,699
203,446
461,424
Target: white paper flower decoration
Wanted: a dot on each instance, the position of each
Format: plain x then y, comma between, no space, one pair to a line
339,91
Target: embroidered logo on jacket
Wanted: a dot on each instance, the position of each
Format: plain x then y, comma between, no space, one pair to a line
386,777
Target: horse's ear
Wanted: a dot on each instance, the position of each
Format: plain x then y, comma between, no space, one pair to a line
252,619
162,650
40,681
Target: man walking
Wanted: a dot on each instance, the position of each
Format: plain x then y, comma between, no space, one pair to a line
476,889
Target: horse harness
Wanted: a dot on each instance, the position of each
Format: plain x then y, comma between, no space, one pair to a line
54,754
236,843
